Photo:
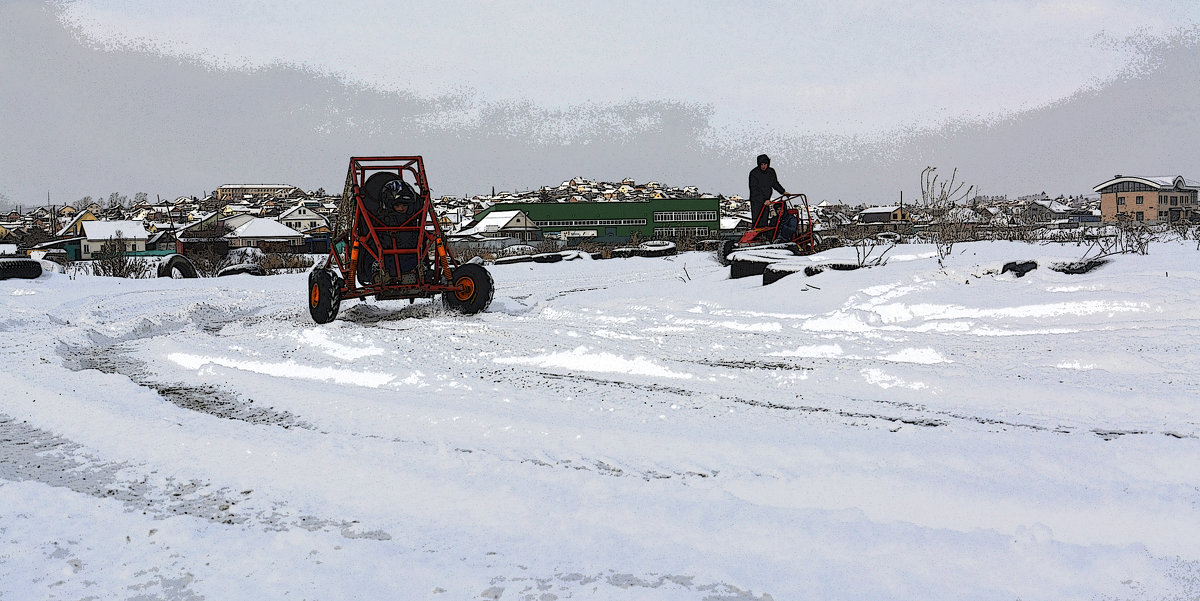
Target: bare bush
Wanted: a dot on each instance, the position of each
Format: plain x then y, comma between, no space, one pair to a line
276,263
1125,237
869,249
112,261
940,199
208,260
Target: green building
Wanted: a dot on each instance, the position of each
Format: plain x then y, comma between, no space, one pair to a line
616,222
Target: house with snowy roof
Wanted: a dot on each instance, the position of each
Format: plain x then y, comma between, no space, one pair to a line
502,224
73,227
884,215
95,234
1166,198
302,219
264,233
1045,211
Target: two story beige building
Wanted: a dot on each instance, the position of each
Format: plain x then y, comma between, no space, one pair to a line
1148,198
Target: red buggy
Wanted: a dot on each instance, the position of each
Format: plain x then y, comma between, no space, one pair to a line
387,243
785,219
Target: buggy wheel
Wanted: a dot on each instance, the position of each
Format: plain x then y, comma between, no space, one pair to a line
723,249
324,295
476,289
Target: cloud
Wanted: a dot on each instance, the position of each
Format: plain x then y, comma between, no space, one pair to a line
88,117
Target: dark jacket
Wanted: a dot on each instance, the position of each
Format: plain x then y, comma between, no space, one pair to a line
762,182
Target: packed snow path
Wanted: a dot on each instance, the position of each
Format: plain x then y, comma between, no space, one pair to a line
623,429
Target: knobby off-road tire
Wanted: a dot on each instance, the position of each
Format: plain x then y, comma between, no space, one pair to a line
476,293
19,267
324,295
723,249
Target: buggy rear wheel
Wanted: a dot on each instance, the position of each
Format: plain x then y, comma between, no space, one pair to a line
475,289
324,294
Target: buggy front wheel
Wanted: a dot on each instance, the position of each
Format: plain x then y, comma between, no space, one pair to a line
324,294
474,292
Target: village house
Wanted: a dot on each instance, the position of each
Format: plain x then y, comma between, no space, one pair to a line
264,233
1148,198
74,227
1045,212
95,234
502,224
889,214
302,219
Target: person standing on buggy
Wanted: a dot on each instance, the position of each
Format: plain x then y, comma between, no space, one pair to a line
762,181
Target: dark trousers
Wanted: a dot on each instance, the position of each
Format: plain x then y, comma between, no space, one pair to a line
756,207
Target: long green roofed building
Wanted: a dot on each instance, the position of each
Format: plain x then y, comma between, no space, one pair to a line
619,221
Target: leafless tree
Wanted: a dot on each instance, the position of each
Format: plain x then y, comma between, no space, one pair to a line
940,198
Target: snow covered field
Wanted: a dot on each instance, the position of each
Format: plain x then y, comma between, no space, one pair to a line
622,429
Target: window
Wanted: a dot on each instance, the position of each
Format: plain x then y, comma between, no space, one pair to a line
685,216
1120,200
676,232
1174,201
1141,200
1141,216
584,222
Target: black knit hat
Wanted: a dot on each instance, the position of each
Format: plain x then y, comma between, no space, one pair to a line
762,158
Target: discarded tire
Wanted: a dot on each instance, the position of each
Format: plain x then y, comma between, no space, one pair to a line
177,267
774,273
19,267
547,258
657,248
244,268
626,252
514,259
751,262
1019,268
1078,267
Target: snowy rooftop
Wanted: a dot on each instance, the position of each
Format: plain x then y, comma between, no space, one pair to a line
103,230
490,222
260,227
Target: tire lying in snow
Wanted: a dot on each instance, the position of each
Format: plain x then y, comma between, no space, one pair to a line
514,259
250,268
657,248
19,267
547,258
754,261
1019,268
177,267
1078,267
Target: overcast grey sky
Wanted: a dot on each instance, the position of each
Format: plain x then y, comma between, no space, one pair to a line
852,99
